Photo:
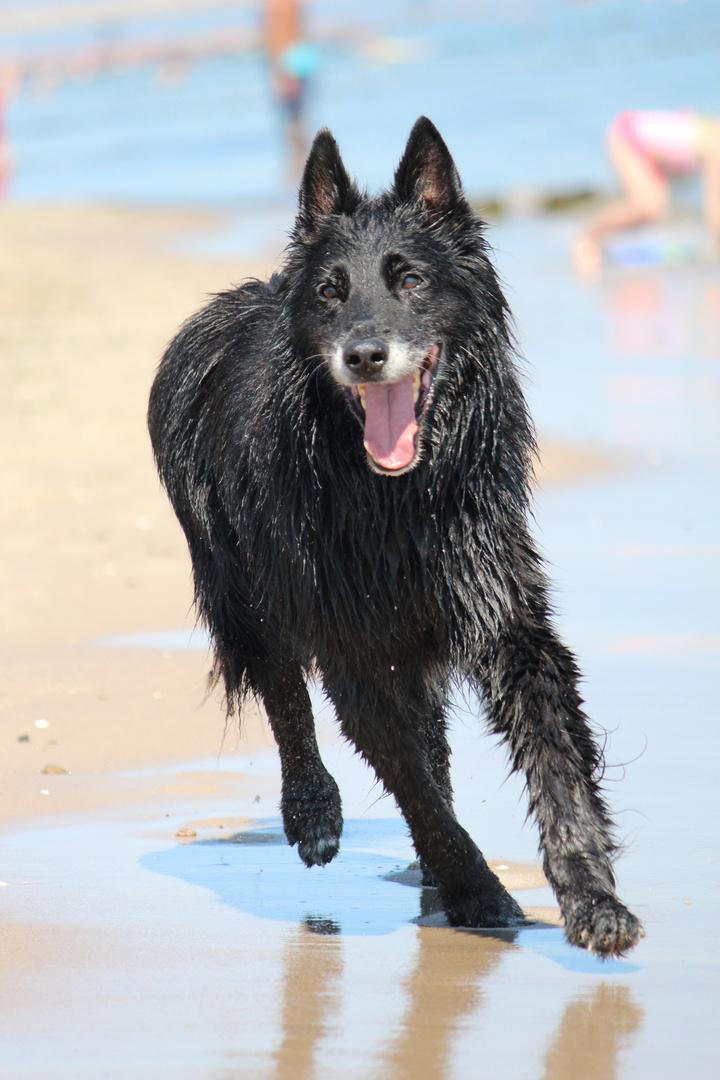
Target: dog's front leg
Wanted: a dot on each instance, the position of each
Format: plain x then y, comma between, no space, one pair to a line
310,804
529,681
397,749
438,752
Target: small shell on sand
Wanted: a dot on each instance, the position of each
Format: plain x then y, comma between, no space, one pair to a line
54,770
185,834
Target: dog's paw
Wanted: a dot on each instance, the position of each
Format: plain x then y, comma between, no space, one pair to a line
318,850
488,906
481,913
312,818
601,924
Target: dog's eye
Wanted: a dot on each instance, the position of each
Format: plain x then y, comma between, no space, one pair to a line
329,292
411,281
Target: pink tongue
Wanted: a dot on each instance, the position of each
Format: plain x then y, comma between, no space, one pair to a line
390,424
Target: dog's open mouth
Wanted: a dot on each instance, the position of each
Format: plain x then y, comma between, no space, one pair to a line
391,413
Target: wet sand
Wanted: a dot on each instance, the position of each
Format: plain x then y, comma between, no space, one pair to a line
133,951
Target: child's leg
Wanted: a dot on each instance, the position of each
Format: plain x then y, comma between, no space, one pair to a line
645,199
711,182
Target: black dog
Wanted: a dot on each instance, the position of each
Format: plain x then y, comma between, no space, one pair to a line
348,451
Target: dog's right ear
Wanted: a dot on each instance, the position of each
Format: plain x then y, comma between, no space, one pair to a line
326,187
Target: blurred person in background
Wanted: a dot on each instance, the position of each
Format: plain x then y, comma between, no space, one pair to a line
293,61
646,149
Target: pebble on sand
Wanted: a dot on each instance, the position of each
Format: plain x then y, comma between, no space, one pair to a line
185,834
54,770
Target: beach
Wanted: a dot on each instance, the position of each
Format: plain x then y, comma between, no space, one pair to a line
154,923
90,547
153,920
91,552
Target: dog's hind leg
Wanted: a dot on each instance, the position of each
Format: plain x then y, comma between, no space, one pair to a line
396,747
529,680
310,804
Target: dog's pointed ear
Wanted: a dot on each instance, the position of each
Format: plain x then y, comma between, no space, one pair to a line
426,175
325,187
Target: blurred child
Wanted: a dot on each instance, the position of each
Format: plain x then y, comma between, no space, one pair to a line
292,62
646,149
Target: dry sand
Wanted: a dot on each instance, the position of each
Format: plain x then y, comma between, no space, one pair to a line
88,545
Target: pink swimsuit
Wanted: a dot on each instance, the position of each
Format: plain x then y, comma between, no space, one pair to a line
668,141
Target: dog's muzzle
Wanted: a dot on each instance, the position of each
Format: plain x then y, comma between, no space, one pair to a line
391,413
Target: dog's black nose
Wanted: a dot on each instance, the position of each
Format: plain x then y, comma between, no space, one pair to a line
366,356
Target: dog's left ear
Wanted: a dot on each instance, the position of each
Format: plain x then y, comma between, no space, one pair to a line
325,187
426,174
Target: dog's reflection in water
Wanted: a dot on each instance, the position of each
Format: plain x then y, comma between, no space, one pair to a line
595,1026
444,988
312,995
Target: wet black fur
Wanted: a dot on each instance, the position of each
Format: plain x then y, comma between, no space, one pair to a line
389,588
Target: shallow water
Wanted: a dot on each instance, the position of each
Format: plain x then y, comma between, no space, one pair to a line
521,91
220,956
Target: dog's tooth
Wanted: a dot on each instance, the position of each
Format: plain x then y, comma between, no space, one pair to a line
361,394
416,379
416,386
